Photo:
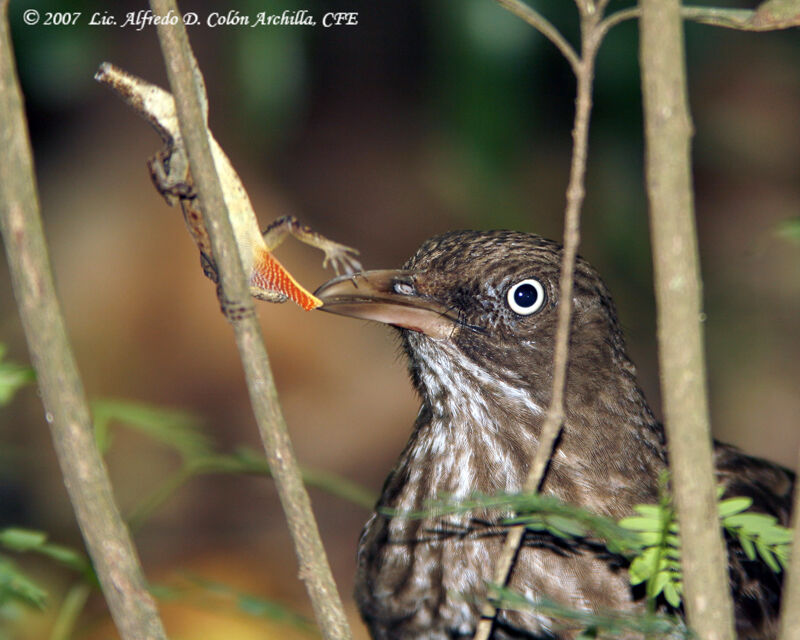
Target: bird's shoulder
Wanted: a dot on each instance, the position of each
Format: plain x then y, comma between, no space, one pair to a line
769,485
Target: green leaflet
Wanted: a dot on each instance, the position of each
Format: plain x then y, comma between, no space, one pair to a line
658,561
16,586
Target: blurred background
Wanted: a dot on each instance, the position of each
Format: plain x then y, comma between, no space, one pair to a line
425,117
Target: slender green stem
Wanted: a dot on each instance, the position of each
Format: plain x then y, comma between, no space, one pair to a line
145,509
70,610
340,487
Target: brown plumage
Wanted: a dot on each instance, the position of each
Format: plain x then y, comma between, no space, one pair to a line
477,316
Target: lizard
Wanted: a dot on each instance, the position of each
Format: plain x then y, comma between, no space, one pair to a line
169,169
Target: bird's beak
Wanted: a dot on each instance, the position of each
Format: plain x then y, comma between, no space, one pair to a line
387,296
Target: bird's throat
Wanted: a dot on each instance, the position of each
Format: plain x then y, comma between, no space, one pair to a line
474,433
477,431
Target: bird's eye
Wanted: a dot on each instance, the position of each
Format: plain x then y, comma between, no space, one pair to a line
404,288
526,297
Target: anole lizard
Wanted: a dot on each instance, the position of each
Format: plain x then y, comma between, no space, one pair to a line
169,168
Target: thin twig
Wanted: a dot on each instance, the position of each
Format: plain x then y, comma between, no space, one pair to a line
616,18
739,19
543,26
238,306
668,132
67,412
584,71
759,20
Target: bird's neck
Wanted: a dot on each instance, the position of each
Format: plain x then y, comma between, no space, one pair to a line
477,436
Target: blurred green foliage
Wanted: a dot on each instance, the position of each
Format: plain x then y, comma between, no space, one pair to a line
56,63
12,377
16,587
789,230
174,428
482,81
182,432
275,94
212,593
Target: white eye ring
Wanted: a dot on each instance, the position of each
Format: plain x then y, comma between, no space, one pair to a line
526,297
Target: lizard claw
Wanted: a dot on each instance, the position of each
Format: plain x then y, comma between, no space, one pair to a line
341,258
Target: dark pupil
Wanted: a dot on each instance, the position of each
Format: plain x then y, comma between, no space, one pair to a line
526,295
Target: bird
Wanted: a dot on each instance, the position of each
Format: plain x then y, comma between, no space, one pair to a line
476,313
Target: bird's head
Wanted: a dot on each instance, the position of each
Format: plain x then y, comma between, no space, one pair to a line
477,312
484,302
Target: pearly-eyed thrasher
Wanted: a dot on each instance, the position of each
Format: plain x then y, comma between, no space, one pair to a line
477,315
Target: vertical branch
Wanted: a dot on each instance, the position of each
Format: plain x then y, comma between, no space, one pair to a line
67,412
584,72
680,337
238,307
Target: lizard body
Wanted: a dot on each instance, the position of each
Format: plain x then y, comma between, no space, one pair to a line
169,169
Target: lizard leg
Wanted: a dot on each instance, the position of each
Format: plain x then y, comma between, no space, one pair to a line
339,256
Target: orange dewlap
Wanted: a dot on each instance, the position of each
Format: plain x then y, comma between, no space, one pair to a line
271,275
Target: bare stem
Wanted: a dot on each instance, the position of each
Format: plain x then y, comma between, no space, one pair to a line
760,19
584,71
107,540
678,300
238,307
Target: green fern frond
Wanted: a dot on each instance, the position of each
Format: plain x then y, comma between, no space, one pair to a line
658,561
